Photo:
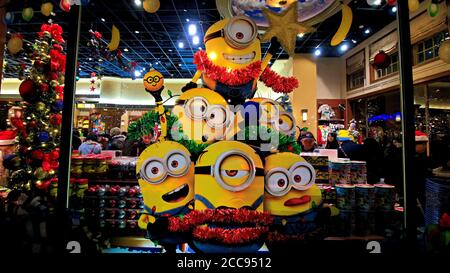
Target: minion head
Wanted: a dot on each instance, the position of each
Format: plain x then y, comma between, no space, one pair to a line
233,42
279,3
166,177
204,115
289,185
229,174
268,113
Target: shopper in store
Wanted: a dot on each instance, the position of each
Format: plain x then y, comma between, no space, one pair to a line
136,147
76,140
308,142
117,141
90,146
348,148
374,157
332,142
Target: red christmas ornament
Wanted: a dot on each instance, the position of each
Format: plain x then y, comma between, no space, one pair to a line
37,154
54,155
54,164
52,76
46,166
27,91
65,5
43,185
381,60
55,119
44,87
391,2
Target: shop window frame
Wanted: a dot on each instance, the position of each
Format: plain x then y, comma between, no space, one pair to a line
373,71
349,79
435,47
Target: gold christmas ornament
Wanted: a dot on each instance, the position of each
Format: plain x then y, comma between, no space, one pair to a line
151,6
285,27
47,9
40,106
15,44
413,5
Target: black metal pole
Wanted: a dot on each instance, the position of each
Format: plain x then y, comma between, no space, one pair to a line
407,108
67,122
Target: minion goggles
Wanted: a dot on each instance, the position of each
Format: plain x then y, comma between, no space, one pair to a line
234,40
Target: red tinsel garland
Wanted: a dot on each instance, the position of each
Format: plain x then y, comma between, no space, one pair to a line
226,216
55,31
235,77
278,237
278,83
229,236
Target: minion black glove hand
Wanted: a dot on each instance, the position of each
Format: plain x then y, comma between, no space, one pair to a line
188,86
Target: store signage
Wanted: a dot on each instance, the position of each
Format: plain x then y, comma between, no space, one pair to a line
85,105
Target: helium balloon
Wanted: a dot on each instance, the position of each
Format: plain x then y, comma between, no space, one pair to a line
391,2
382,60
65,5
433,9
47,9
413,5
9,18
151,6
444,51
27,14
15,44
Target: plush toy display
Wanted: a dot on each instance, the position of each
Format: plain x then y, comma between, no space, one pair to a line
326,112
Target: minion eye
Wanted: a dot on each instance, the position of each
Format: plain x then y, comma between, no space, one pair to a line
177,164
216,117
233,173
242,31
302,177
197,108
154,171
286,123
277,183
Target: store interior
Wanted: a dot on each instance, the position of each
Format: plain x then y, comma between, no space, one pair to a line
332,80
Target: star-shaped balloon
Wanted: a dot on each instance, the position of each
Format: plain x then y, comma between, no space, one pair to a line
285,27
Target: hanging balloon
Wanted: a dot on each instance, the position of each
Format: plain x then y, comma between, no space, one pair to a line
433,9
9,18
151,6
413,5
374,3
381,60
15,44
65,5
47,9
444,51
27,14
28,91
391,2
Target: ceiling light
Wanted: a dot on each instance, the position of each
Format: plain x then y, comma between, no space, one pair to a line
137,73
394,9
195,40
170,50
361,26
156,63
185,10
187,20
103,20
100,60
367,31
136,31
300,35
199,48
137,2
125,49
192,29
179,65
343,47
354,41
317,52
180,45
90,59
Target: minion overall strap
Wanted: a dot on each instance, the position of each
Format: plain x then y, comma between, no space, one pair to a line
175,211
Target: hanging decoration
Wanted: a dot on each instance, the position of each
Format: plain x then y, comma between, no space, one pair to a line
391,2
15,44
382,60
39,125
93,80
65,5
115,39
153,80
344,27
27,14
285,27
444,51
413,5
151,6
9,18
433,8
47,8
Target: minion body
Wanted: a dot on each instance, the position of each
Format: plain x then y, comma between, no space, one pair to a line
204,115
233,44
294,208
166,178
229,174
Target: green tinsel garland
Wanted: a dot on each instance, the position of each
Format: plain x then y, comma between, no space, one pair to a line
285,143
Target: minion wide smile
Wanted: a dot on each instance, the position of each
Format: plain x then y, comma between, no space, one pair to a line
177,194
240,59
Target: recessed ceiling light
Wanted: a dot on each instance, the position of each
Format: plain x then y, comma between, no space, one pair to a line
354,41
187,20
156,63
361,26
300,35
100,60
180,44
185,10
90,59
125,49
344,47
137,2
317,52
136,31
199,48
170,50
179,64
103,20
192,29
394,9
195,40
367,31
137,73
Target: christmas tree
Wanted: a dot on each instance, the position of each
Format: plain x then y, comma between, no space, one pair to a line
34,166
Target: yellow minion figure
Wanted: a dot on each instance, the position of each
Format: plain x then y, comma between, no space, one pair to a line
229,174
279,3
232,62
268,113
166,178
291,194
204,115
